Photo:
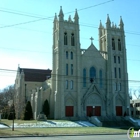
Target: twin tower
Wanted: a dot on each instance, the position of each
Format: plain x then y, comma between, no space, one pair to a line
90,82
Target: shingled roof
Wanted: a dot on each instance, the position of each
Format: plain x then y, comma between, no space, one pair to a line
36,75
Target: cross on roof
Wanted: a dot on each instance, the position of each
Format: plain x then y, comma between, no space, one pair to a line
91,40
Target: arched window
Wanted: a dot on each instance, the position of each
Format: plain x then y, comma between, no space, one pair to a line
114,59
115,72
115,86
119,72
84,77
66,69
67,55
119,45
72,39
101,80
71,55
71,84
119,88
65,39
113,44
92,74
71,69
66,84
119,61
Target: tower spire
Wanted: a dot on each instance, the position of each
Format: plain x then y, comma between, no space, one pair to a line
76,17
61,15
100,25
69,18
121,23
108,23
55,17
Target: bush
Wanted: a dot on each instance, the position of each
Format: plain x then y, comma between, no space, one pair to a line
28,114
11,115
46,108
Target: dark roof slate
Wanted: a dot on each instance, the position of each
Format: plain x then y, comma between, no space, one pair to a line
36,75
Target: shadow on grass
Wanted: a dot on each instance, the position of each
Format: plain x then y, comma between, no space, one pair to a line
51,122
4,124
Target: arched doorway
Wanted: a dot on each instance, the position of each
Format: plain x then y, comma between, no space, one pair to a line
93,105
119,107
69,108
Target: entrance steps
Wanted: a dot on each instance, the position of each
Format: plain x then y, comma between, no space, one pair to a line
115,121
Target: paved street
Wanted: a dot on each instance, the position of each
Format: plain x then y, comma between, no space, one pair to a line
89,137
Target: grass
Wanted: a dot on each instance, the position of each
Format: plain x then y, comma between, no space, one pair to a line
60,131
56,131
9,122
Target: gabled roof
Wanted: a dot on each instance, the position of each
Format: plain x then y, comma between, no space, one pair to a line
36,75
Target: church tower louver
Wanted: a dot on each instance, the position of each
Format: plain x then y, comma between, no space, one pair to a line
88,82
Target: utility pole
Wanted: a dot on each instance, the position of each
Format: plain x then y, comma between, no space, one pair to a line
13,108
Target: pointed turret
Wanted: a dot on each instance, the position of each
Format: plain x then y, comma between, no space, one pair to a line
61,15
55,17
55,21
76,17
100,28
69,18
108,23
113,25
121,23
100,25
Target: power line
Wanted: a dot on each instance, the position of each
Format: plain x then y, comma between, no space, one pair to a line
27,22
69,76
21,12
64,53
17,13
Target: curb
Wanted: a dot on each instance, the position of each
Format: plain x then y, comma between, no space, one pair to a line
17,136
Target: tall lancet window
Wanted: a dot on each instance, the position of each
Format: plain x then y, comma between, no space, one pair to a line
113,44
119,45
72,39
71,84
65,39
92,74
71,55
66,69
101,80
71,69
67,55
84,77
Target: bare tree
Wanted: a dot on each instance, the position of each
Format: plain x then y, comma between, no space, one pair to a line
6,95
6,99
134,93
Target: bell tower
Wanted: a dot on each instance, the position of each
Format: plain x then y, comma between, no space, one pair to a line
66,53
113,49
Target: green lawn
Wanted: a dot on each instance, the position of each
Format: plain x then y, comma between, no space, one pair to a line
55,131
60,131
9,122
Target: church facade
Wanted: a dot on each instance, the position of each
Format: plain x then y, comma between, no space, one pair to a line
85,82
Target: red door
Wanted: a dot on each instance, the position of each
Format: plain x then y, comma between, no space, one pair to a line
89,111
118,110
97,110
69,111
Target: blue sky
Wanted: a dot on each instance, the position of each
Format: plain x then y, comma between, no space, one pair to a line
30,45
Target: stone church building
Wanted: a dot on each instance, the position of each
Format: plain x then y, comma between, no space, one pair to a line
83,82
